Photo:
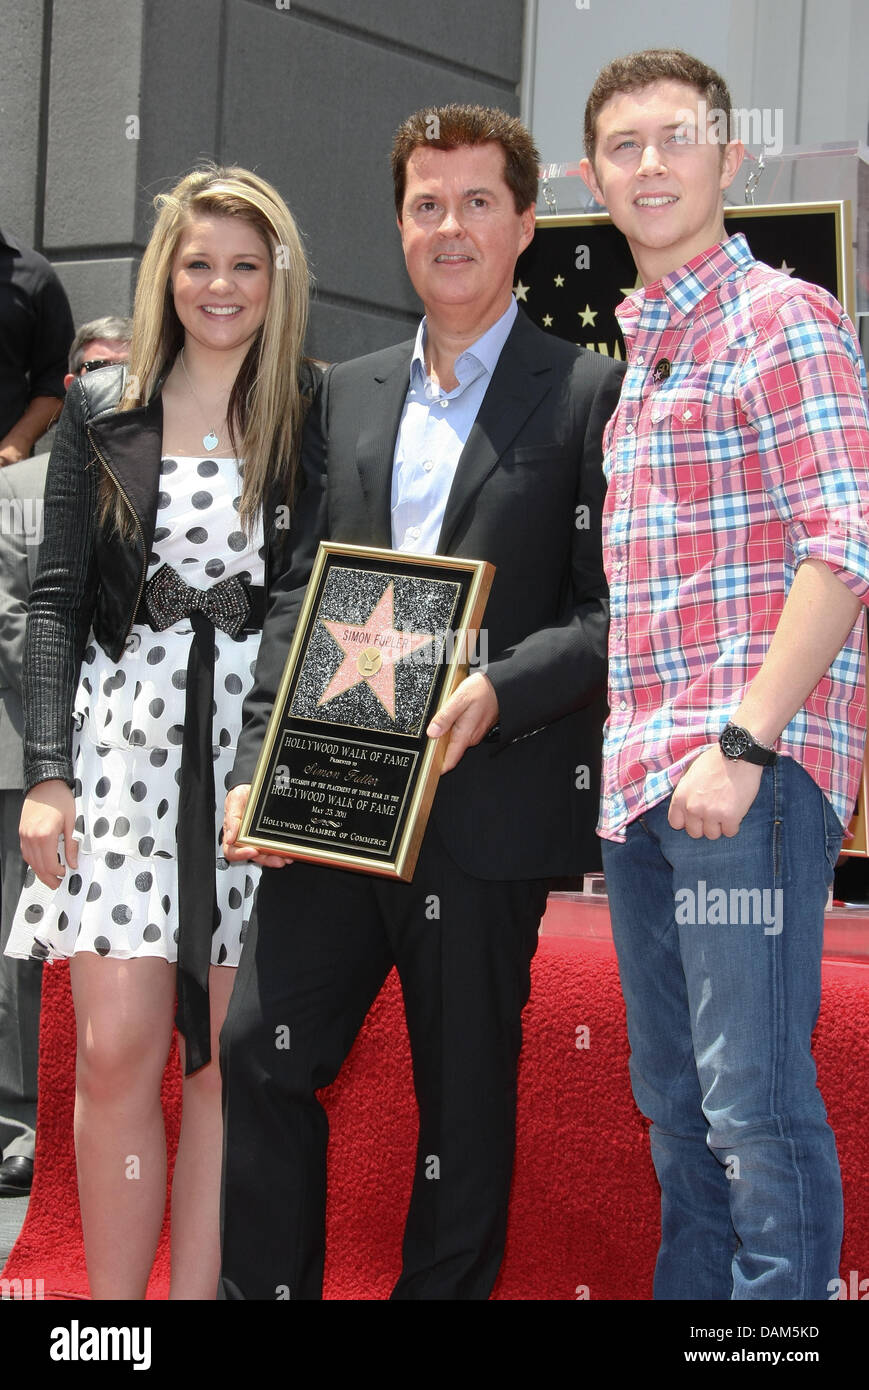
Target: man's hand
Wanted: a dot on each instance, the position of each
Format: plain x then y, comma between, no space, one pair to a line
469,714
233,811
48,812
39,416
714,795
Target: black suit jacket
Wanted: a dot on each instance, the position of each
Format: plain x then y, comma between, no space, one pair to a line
530,469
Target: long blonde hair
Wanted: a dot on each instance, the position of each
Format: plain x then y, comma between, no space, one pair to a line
266,407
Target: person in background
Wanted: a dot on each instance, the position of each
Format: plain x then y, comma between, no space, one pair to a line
22,488
36,330
737,551
102,342
164,489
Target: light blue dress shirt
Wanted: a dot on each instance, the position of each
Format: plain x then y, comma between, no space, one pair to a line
433,432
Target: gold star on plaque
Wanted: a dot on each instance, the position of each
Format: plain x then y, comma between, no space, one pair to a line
547,320
521,291
588,316
637,285
371,652
788,269
559,281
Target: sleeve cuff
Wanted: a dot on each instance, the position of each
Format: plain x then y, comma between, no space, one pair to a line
48,771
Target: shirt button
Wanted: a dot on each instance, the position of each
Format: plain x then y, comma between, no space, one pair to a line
623,704
428,465
629,429
413,532
623,494
641,359
444,402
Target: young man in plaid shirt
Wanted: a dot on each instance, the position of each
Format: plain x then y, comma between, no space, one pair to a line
737,551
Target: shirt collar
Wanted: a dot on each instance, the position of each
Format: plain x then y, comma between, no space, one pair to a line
480,356
684,288
10,243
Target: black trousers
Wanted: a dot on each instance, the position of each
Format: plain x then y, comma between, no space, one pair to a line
20,999
323,944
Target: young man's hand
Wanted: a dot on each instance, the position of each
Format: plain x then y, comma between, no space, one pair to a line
714,795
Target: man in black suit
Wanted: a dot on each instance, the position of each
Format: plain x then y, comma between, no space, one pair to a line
481,439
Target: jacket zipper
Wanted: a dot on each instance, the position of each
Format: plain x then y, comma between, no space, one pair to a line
113,476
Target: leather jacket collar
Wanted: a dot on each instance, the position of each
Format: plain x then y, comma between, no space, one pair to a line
129,443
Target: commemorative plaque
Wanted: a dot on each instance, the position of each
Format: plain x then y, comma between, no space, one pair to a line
346,775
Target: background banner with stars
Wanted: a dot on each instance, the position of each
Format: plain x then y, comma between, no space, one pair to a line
578,268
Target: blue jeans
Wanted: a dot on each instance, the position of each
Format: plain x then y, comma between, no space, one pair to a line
722,986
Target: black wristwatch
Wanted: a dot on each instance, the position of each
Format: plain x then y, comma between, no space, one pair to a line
737,743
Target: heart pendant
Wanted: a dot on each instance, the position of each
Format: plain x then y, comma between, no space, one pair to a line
210,440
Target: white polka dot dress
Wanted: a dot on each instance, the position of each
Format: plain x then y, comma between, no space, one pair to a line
128,722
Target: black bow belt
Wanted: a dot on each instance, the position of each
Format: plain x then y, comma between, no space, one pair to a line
232,605
235,607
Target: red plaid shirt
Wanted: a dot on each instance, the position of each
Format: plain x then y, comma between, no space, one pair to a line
750,457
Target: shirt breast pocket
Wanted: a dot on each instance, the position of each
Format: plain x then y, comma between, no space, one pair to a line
697,442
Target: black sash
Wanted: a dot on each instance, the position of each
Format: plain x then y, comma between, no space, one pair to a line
235,607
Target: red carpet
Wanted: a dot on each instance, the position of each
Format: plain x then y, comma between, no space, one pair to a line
584,1211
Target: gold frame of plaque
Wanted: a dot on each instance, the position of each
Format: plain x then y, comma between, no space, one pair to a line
352,787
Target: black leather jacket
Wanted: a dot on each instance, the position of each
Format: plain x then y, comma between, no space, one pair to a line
89,576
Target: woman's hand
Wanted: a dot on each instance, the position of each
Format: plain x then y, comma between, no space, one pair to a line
48,813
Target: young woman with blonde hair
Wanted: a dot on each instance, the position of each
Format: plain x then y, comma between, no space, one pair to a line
162,493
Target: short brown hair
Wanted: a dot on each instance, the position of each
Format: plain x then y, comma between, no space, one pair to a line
640,70
450,127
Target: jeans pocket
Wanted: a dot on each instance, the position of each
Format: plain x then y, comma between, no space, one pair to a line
833,836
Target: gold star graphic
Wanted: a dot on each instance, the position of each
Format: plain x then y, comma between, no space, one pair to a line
547,320
637,285
559,281
521,291
788,269
371,652
588,316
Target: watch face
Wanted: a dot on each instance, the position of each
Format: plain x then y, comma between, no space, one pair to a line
735,742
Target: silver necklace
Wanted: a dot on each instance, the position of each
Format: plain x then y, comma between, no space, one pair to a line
211,439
